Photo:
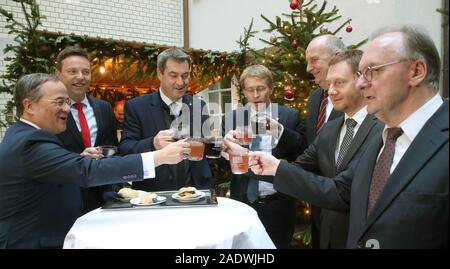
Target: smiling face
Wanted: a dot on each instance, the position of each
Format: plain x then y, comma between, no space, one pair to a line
174,79
344,94
45,112
75,73
318,56
387,93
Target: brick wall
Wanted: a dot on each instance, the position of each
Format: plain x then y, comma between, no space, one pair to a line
150,21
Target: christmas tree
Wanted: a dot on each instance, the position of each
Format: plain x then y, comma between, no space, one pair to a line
285,55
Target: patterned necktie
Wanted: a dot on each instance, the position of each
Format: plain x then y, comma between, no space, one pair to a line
382,169
85,133
322,112
348,138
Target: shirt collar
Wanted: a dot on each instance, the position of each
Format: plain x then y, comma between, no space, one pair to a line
167,100
29,123
412,125
358,116
85,102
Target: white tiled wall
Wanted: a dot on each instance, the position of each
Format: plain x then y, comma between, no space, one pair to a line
150,21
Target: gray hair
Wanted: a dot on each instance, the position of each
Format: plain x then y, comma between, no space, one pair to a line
259,71
29,86
334,44
417,45
174,54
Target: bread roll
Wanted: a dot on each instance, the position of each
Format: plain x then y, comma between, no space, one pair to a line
128,193
148,198
187,192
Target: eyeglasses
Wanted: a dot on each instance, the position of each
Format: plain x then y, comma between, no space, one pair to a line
368,72
60,102
258,89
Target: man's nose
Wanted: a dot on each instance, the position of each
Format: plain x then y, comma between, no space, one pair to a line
362,83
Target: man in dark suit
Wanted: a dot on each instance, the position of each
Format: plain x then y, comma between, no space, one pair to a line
340,139
74,69
148,120
318,54
35,164
276,210
397,190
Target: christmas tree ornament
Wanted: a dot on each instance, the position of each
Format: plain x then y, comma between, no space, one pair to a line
294,44
323,30
273,38
294,4
349,28
288,94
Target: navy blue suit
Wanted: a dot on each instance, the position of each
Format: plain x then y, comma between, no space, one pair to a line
412,210
33,211
91,198
144,118
278,214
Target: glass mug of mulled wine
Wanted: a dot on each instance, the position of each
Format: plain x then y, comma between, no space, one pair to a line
239,161
244,135
197,148
213,146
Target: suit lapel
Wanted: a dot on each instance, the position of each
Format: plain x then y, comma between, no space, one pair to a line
430,139
73,129
156,109
334,130
363,131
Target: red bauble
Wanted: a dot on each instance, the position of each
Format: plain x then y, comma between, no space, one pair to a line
289,94
349,28
294,43
294,4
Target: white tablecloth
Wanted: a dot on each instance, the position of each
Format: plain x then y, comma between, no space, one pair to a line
230,224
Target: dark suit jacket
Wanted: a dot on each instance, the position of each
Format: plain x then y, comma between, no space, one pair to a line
413,209
313,113
319,157
144,118
34,163
106,135
290,145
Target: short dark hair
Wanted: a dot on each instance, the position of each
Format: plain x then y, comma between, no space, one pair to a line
352,57
70,51
29,86
173,53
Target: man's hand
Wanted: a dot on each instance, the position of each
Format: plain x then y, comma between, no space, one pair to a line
163,138
92,152
230,144
172,153
263,163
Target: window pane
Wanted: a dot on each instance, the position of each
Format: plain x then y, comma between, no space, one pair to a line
226,99
213,102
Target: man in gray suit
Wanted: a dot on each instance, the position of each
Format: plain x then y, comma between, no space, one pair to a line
340,140
398,197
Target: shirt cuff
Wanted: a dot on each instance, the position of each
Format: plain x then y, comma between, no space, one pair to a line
148,164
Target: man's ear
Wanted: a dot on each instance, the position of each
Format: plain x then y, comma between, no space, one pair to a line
27,106
57,73
418,72
159,73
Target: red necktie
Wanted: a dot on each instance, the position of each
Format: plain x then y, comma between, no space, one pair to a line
382,169
85,134
322,112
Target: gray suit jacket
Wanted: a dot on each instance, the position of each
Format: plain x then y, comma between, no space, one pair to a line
413,209
319,157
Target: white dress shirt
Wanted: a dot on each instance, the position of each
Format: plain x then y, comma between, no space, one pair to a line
175,107
90,118
411,126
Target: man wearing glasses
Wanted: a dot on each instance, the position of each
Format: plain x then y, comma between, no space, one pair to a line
277,211
34,165
399,194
